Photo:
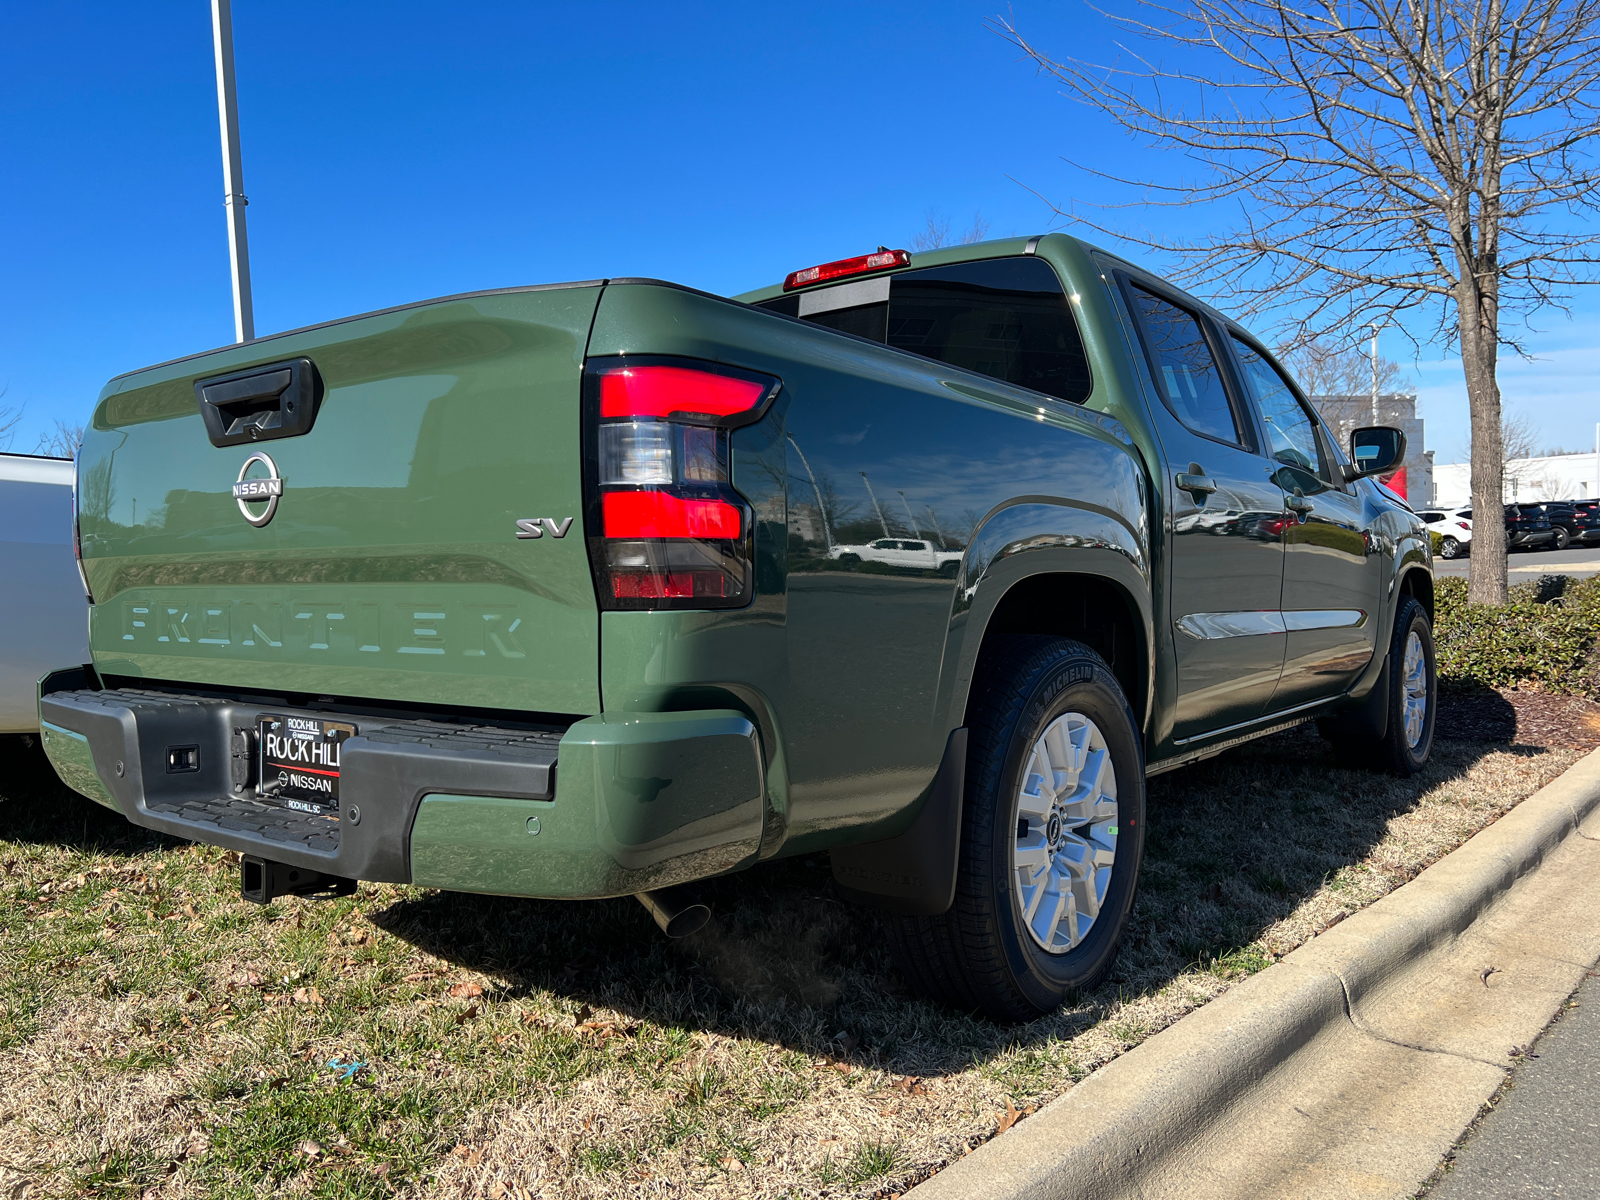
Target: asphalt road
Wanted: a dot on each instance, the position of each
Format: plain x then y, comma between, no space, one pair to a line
1530,564
1543,1138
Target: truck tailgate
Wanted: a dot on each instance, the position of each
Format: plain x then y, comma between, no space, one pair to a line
391,568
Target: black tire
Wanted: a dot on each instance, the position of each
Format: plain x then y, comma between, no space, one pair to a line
1449,548
851,561
980,956
1561,541
1394,752
950,569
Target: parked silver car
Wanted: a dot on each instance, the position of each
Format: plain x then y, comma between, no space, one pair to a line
44,613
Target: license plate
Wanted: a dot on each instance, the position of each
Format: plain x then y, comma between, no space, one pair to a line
299,760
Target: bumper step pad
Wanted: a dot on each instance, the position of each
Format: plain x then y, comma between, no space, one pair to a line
264,820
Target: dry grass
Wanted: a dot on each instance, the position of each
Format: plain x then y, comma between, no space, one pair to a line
160,1037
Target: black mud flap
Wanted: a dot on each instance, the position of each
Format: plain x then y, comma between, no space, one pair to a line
1365,720
914,873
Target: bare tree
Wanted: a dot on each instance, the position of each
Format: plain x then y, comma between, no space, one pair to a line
60,441
1518,438
1388,161
936,232
1324,367
8,421
1339,380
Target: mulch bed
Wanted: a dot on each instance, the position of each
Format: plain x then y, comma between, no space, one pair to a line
1520,717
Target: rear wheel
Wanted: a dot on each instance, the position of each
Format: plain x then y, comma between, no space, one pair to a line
1561,540
1051,840
1449,548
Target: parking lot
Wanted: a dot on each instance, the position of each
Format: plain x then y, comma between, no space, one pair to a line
1579,562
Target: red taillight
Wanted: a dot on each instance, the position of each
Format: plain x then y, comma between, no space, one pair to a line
682,392
884,259
663,515
1465,526
667,529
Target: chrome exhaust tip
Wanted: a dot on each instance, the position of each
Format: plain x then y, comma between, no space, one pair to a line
677,915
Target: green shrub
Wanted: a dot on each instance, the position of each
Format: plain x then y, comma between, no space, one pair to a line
1545,636
1437,539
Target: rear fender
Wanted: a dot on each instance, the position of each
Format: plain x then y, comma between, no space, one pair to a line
1036,537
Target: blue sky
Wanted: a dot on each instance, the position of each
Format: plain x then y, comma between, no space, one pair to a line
398,151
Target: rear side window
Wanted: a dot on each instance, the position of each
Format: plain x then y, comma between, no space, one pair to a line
1185,371
1008,318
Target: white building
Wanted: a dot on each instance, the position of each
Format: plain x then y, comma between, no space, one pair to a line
1556,477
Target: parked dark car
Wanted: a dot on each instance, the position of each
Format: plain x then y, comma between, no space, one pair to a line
1572,521
1527,527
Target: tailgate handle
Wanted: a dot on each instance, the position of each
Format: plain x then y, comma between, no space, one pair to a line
263,403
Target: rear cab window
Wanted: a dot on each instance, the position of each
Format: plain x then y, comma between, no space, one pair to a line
1186,372
1007,318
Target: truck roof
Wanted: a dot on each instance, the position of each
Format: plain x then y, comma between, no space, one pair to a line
971,252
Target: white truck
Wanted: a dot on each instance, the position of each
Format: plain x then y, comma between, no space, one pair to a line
900,552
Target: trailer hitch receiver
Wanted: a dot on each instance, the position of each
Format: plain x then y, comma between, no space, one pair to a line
261,881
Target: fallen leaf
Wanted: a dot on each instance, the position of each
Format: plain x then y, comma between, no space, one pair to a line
419,976
309,1148
1009,1118
305,995
732,1165
462,991
466,1015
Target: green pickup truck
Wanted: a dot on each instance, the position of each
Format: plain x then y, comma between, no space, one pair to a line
598,589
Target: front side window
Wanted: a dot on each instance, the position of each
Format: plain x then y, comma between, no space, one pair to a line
1186,373
1008,318
1291,433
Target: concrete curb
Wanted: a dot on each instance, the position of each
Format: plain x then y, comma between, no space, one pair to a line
1388,994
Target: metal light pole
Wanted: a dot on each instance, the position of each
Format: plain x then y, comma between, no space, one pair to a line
244,318
876,506
1374,374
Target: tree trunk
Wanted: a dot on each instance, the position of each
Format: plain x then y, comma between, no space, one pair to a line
1486,569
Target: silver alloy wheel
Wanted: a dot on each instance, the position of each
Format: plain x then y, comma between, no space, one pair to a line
1416,689
1066,832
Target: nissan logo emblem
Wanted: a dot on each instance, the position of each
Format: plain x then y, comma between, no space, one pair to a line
258,491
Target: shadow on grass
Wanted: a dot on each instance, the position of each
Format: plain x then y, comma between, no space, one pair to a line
1234,845
35,806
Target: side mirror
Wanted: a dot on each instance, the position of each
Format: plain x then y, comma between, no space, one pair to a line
1375,450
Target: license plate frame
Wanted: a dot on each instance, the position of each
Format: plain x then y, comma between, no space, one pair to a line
297,762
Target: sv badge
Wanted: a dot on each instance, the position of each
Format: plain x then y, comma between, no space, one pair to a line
534,527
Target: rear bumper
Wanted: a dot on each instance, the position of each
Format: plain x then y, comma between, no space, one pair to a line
604,807
1535,537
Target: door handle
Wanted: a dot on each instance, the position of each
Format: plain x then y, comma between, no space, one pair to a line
1299,505
1196,482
